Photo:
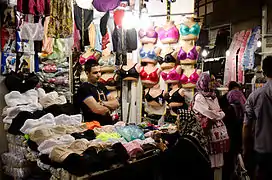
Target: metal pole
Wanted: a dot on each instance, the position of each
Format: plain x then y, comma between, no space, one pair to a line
264,30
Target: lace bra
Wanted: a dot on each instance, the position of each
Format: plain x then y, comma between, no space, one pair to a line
185,30
192,54
149,54
192,79
32,31
172,33
107,62
149,77
172,75
159,99
150,33
132,72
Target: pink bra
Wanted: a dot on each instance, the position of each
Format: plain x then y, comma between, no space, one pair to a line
192,79
172,75
172,33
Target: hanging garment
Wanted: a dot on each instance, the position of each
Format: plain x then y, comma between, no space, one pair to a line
61,20
230,66
241,54
85,4
34,7
248,60
24,45
48,42
82,15
105,5
32,31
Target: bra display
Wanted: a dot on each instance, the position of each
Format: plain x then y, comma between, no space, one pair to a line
175,97
172,33
192,79
108,82
153,76
107,62
194,30
167,59
132,72
150,54
105,5
172,75
159,99
150,33
192,54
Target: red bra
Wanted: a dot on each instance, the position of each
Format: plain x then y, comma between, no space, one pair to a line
149,77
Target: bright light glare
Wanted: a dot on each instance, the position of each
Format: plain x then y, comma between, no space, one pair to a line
130,20
145,21
204,53
227,53
259,44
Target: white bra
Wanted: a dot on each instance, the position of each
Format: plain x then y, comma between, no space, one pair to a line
85,4
32,31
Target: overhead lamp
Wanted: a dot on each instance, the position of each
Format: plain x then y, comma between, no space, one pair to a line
259,44
227,53
204,53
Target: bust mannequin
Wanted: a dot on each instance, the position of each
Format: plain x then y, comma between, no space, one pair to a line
169,61
155,103
107,61
109,80
130,72
188,53
168,34
190,76
173,75
150,75
189,29
175,98
149,53
148,35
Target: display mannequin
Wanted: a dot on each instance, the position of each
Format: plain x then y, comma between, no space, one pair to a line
172,75
129,72
107,61
168,34
170,59
148,35
190,76
176,100
109,80
150,75
189,29
149,53
188,53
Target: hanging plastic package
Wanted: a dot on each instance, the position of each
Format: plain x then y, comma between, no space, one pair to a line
105,5
131,132
32,31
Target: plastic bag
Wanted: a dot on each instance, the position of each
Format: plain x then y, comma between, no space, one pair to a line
131,132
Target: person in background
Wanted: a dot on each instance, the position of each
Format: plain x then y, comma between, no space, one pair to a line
258,119
93,97
209,114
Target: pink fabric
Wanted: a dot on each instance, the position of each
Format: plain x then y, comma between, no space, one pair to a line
133,148
172,33
172,75
230,65
241,55
192,79
76,38
35,7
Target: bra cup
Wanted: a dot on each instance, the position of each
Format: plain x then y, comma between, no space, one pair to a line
194,77
164,76
182,54
183,79
194,30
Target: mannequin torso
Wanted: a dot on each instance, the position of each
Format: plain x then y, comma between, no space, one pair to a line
150,75
130,72
176,98
189,29
154,96
149,53
109,80
190,76
173,75
169,59
188,53
168,34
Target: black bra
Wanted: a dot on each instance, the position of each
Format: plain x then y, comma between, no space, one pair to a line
176,97
168,58
132,72
159,99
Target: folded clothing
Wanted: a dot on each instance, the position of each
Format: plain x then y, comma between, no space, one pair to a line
20,119
17,150
16,139
15,98
89,135
58,109
93,124
133,148
14,161
108,136
52,98
44,121
47,146
17,172
69,120
105,129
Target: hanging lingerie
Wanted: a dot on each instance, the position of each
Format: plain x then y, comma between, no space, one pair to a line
34,7
105,5
159,99
171,33
132,72
194,30
153,76
192,54
175,97
150,33
150,54
32,31
192,79
110,61
173,75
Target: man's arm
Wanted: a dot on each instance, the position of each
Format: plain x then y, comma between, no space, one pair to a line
248,123
95,106
112,102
